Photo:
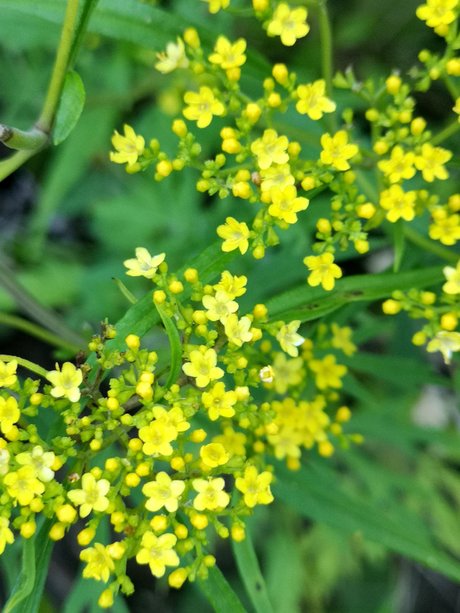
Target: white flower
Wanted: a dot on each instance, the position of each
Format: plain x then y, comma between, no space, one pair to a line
174,57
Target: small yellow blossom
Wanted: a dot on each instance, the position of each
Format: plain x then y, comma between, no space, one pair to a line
235,235
157,437
40,460
158,552
445,342
128,147
277,175
255,487
91,496
216,5
452,275
202,106
174,57
8,373
327,372
398,203
4,461
285,204
289,339
341,339
23,485
6,536
232,285
144,264
446,228
233,442
218,402
9,413
431,162
437,13
203,366
289,24
323,270
400,165
229,56
312,100
337,150
163,492
286,373
219,306
214,455
99,563
238,330
66,382
211,494
270,149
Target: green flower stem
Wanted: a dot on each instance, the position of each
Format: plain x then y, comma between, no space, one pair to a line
34,330
45,121
8,166
427,245
448,131
39,313
326,53
38,370
18,139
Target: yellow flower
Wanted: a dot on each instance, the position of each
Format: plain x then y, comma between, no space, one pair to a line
6,536
218,402
128,147
235,235
66,382
202,106
174,57
431,162
238,330
216,5
289,24
158,552
234,442
341,339
285,204
157,436
323,270
270,149
312,100
9,413
445,342
446,228
327,372
8,373
255,487
286,373
398,203
214,455
211,494
452,285
144,264
337,151
277,175
289,339
163,492
202,366
232,285
40,460
23,485
4,461
229,56
400,165
437,13
99,564
218,307
91,496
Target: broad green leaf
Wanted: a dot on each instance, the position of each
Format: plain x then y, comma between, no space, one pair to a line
219,593
70,107
307,303
36,556
250,574
175,345
318,493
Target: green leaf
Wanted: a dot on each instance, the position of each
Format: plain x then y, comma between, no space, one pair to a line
175,347
70,107
250,574
36,553
318,493
307,303
219,593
